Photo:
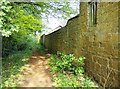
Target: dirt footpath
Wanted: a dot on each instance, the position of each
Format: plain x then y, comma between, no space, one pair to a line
36,73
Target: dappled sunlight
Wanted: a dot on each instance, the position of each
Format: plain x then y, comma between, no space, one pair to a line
37,70
59,44
33,57
11,69
25,59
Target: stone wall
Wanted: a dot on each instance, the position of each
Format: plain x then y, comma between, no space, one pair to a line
62,39
99,44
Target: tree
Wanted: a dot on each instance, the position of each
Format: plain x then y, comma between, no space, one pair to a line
16,17
20,19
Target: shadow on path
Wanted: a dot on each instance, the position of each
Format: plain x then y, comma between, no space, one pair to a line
36,73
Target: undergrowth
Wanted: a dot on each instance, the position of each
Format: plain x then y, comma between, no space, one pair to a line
68,71
12,67
40,48
14,63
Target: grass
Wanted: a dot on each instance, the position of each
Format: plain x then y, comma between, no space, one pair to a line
68,71
63,80
12,67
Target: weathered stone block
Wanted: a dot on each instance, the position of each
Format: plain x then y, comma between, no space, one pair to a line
97,68
99,44
104,71
114,64
102,81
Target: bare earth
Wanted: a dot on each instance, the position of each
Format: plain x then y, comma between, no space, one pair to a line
36,73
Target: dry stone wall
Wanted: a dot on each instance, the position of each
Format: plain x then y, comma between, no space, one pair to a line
100,44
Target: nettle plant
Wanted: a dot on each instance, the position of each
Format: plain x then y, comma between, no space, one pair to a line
66,63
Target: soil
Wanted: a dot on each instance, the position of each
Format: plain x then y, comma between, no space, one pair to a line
36,73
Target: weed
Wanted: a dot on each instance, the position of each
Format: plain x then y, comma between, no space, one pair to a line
87,82
40,48
66,64
11,67
68,71
63,80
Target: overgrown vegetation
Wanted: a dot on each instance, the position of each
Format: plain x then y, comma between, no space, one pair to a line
66,64
68,71
17,42
12,67
19,22
18,25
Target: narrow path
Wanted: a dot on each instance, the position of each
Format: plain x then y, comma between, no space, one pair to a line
36,73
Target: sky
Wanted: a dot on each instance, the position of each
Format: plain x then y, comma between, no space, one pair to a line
52,22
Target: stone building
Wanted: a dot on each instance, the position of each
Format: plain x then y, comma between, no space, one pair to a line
94,33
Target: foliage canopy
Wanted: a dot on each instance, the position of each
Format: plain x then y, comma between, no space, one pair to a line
20,20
